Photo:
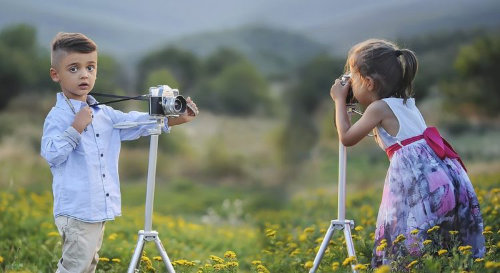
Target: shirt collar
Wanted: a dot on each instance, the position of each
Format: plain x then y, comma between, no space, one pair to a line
61,102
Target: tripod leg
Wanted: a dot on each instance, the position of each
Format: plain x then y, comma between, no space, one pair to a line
349,243
164,255
322,249
137,254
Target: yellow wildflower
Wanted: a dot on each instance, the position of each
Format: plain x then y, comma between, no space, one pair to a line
488,232
360,267
478,260
309,230
463,248
262,269
53,234
442,252
410,265
232,264
216,259
358,228
489,264
104,259
383,269
414,232
453,232
308,265
219,266
335,266
400,238
1,259
230,254
381,247
112,236
271,233
426,242
116,260
348,260
256,262
488,228
157,258
295,252
433,229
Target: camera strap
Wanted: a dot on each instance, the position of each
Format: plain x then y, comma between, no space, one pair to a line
120,98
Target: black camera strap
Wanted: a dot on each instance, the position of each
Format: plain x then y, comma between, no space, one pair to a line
119,98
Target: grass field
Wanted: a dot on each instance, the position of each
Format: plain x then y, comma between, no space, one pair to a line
222,205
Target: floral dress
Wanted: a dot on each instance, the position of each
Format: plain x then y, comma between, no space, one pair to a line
424,197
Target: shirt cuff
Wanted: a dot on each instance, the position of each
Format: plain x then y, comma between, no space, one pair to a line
72,136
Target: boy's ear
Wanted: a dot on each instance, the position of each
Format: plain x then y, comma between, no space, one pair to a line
54,75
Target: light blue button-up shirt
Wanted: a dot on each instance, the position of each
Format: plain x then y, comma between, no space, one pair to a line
85,166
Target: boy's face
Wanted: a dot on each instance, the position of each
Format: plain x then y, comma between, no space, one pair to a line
75,72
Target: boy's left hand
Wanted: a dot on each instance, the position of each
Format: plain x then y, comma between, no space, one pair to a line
191,112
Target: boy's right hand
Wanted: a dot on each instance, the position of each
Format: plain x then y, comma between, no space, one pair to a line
82,119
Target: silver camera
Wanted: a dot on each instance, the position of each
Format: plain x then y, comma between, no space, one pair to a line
165,101
350,99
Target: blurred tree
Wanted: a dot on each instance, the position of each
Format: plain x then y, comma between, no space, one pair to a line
109,75
301,133
475,91
220,60
19,69
183,65
160,77
238,89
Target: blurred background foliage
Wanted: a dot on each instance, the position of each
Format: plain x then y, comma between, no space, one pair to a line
457,76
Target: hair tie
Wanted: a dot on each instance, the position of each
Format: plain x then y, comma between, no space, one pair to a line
398,53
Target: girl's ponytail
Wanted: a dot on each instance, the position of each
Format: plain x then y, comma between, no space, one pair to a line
409,66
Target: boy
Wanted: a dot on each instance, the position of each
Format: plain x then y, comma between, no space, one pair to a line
82,149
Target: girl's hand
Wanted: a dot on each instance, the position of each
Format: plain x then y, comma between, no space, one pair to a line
189,115
339,91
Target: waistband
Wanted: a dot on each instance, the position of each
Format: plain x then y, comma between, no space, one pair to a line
438,144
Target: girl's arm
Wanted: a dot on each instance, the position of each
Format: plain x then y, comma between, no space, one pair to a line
349,134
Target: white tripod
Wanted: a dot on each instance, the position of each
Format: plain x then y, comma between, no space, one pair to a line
147,234
340,223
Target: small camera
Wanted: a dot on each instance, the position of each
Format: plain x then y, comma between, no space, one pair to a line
350,99
165,101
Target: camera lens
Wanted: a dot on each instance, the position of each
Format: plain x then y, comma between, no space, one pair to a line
177,105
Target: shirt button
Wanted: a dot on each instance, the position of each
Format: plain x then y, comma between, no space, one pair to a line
103,175
107,194
97,135
102,155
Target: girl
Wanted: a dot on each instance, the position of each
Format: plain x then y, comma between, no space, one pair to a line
426,184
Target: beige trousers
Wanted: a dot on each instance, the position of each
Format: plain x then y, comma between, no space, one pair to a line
81,242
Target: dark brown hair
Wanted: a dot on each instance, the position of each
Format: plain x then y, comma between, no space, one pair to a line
391,68
72,42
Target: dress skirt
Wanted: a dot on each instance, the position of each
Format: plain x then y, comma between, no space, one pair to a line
422,191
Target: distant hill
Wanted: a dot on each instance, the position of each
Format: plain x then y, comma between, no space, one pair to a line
272,50
128,29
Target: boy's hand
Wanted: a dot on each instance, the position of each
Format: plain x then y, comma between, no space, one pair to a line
191,112
339,91
82,119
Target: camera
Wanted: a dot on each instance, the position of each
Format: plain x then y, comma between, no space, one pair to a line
165,101
350,99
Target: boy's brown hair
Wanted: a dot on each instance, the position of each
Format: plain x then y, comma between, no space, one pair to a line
71,42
